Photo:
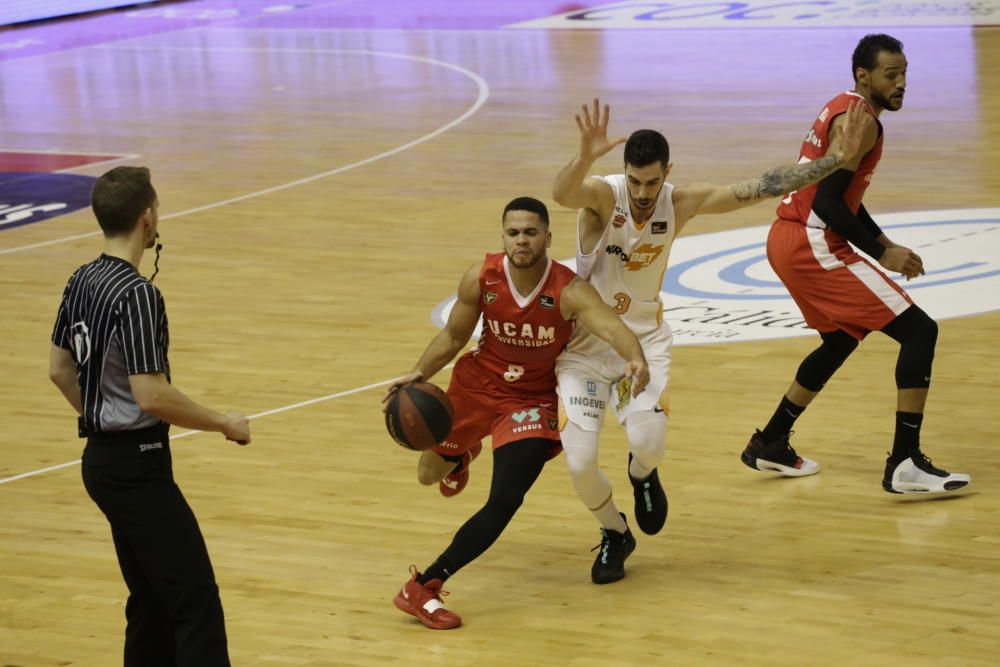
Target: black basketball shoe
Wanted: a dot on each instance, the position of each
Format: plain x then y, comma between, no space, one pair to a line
650,501
777,456
615,547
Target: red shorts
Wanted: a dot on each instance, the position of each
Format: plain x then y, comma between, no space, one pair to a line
834,287
483,408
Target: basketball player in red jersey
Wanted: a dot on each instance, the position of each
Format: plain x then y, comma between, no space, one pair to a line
844,296
506,386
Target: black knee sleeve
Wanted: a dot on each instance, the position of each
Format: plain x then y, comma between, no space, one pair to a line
916,334
823,362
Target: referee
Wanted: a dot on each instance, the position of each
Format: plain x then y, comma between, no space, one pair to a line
109,359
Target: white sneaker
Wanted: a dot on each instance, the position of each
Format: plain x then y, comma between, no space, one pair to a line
917,474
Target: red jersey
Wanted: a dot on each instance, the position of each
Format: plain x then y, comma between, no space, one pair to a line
797,206
522,334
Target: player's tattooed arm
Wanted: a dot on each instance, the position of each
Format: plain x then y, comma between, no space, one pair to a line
852,134
787,178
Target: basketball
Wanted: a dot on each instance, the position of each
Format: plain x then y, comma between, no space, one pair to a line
419,416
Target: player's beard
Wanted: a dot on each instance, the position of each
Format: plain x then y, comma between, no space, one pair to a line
886,102
523,261
646,204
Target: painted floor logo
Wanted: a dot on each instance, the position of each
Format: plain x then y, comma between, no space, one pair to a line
720,288
772,14
32,190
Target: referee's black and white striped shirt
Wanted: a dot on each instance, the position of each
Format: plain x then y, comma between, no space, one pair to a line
114,323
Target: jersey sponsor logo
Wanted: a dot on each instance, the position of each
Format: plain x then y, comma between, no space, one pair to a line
591,388
719,287
553,423
547,301
531,415
506,331
617,250
659,227
643,256
811,138
489,297
640,258
587,402
618,220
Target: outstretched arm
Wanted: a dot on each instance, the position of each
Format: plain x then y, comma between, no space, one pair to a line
580,300
456,333
856,136
572,188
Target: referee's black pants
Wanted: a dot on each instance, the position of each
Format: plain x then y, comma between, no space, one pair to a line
174,614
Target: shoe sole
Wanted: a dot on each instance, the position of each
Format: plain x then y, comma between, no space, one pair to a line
910,487
404,606
787,471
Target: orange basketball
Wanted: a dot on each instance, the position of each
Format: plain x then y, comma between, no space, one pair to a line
419,416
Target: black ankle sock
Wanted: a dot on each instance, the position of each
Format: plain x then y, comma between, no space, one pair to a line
907,439
440,569
782,420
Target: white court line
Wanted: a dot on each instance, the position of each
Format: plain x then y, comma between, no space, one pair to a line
184,434
483,94
121,158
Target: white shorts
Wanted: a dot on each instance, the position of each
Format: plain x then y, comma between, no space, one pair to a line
591,375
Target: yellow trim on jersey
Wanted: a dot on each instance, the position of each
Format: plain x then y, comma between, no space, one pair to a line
562,417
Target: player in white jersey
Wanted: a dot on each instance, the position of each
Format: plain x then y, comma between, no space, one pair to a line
625,228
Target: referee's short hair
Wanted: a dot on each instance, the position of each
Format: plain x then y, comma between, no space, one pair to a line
529,204
119,198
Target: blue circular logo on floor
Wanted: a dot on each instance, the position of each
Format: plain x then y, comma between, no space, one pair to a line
720,288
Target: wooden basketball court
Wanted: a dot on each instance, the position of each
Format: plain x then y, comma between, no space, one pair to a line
322,188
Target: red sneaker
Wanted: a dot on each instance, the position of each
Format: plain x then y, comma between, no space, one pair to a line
455,481
424,602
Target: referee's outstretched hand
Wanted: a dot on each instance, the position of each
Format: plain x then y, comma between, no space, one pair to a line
237,428
412,376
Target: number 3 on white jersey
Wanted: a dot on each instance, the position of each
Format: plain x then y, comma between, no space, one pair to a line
622,302
513,373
